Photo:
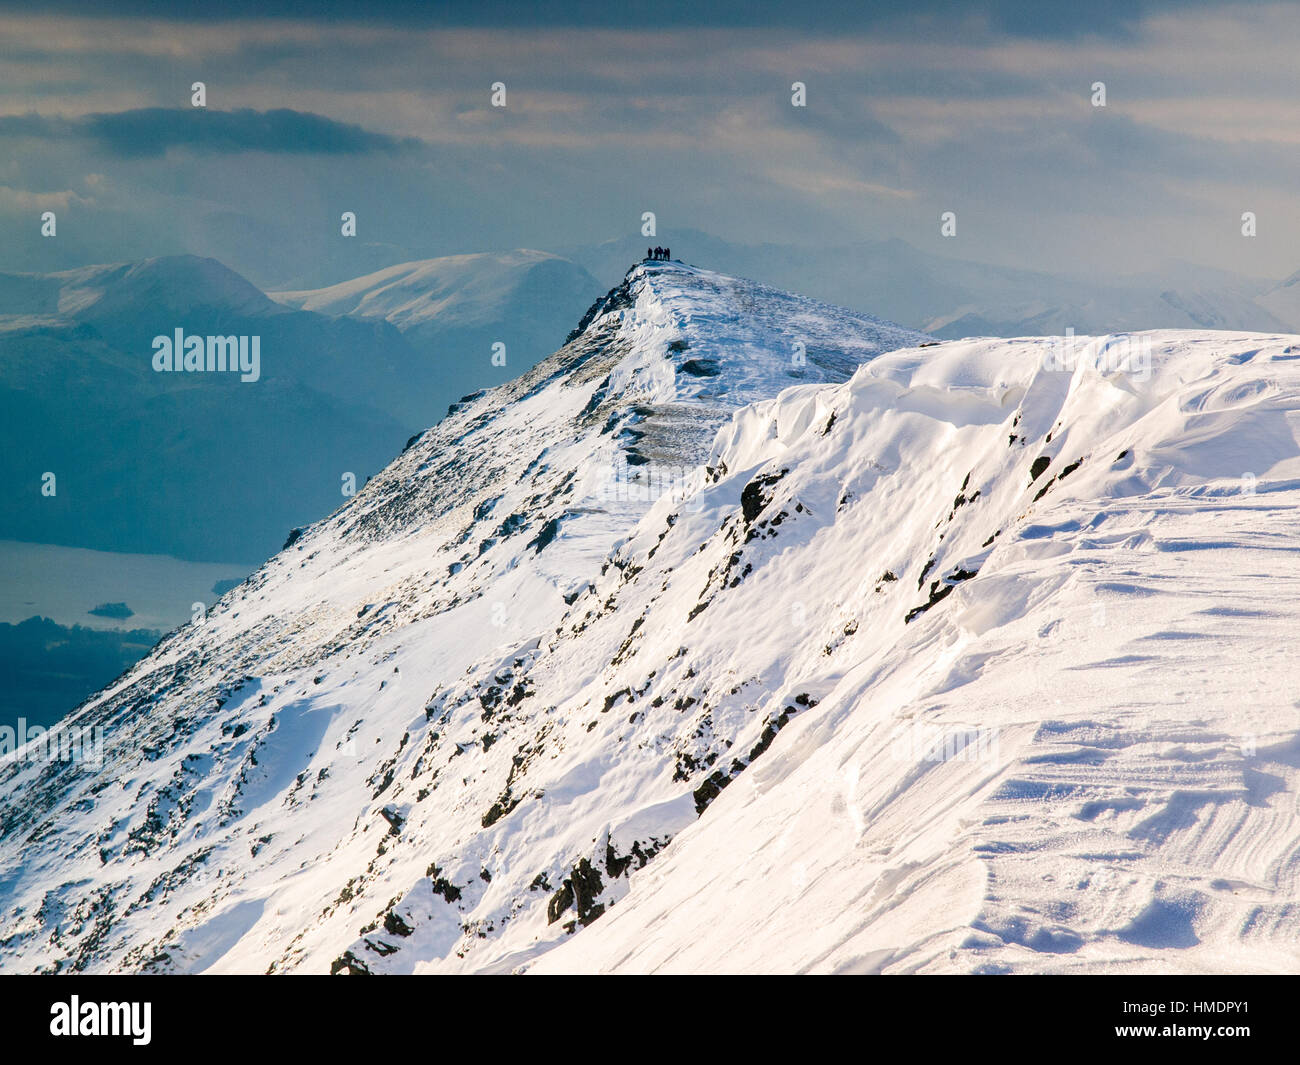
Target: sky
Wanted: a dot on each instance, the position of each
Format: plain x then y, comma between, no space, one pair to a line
683,109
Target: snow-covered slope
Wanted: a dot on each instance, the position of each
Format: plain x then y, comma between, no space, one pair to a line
341,745
975,661
1080,753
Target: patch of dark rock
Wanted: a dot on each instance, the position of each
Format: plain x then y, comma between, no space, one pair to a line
546,535
559,903
383,786
499,809
615,866
719,779
395,926
610,700
754,498
710,790
580,890
351,963
942,592
617,298
460,403
441,885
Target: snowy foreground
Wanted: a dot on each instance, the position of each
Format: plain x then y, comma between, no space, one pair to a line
695,649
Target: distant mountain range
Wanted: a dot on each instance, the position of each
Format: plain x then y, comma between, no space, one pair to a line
455,308
951,298
206,467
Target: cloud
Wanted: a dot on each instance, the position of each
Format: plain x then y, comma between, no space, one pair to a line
27,200
152,131
913,107
1032,19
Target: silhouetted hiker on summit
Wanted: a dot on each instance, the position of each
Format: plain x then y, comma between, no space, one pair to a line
668,253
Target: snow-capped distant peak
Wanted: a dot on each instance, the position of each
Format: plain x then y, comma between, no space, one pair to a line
454,289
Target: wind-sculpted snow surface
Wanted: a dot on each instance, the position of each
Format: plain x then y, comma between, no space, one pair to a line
1082,751
347,764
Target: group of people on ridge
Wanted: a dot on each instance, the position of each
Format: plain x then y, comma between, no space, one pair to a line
657,253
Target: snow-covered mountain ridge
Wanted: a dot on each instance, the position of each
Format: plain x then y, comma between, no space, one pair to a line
255,809
972,661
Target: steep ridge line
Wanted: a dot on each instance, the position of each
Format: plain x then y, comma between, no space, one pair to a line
278,776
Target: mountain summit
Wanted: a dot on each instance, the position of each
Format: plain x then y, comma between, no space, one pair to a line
351,726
